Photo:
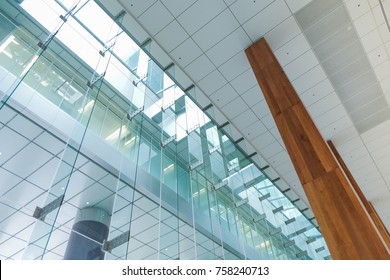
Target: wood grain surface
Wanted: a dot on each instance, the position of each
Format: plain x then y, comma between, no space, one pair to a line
346,226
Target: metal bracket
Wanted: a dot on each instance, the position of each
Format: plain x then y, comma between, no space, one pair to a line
106,48
322,248
196,164
301,254
40,213
136,82
311,240
91,83
259,218
264,168
239,140
42,45
289,243
222,125
120,15
167,141
233,167
165,107
170,65
192,128
216,148
289,221
275,231
276,210
241,202
117,241
264,197
252,155
220,185
207,107
275,180
136,112
298,232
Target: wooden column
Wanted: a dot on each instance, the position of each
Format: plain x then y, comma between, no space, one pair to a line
366,204
345,225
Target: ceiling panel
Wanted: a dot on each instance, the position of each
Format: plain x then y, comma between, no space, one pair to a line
244,82
296,5
373,120
245,119
48,142
199,68
311,14
357,8
231,45
272,149
309,79
324,105
186,52
301,65
253,130
24,126
267,19
155,18
28,160
234,108
333,115
234,66
283,33
378,56
253,95
203,11
268,121
365,24
215,30
263,140
137,8
363,98
137,31
11,143
244,10
8,180
93,171
316,93
177,7
6,115
212,82
261,109
291,50
372,40
171,36
22,194
382,70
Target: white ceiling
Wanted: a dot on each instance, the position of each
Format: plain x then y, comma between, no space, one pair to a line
206,41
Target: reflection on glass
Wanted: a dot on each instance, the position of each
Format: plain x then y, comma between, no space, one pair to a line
177,183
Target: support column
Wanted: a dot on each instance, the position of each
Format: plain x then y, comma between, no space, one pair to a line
366,204
345,225
88,233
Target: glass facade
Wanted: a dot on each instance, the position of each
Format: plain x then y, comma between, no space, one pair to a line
109,154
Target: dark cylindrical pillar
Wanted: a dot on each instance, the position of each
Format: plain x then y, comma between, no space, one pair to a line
88,233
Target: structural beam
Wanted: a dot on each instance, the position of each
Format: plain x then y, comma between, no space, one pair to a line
367,205
345,225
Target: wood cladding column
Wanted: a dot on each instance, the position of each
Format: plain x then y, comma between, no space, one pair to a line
345,225
366,204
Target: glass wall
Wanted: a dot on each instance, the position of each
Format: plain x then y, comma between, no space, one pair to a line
133,146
